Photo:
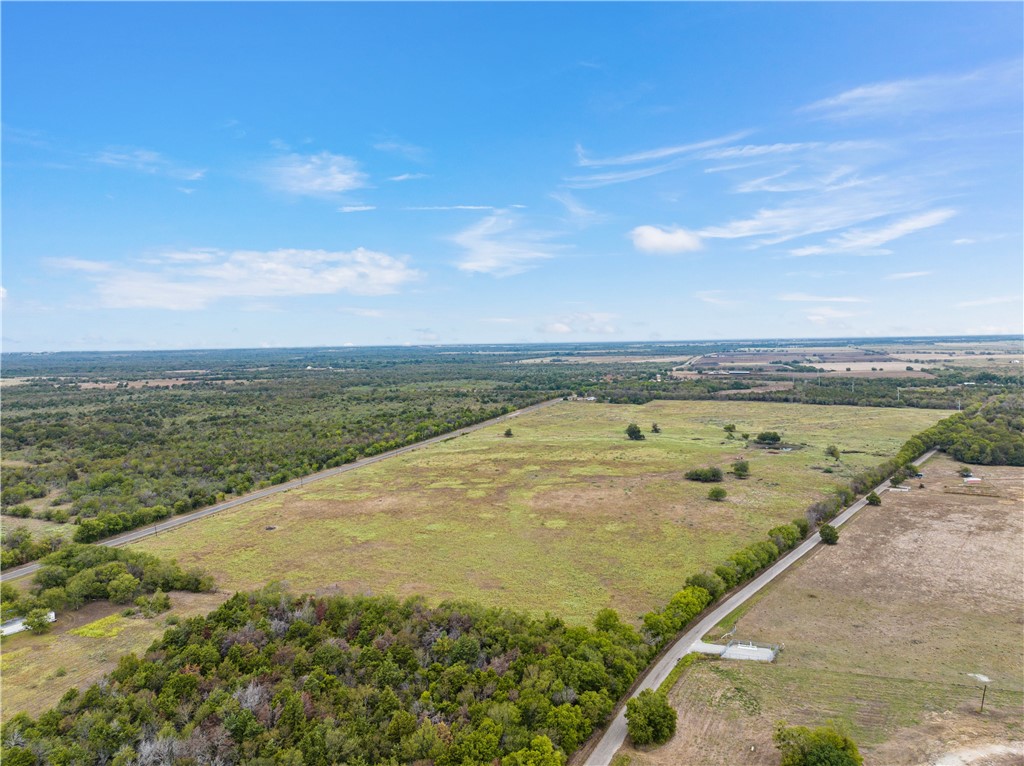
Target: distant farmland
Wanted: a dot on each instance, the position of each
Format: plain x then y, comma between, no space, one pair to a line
566,516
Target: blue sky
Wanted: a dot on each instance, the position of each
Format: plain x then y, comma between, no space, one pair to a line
192,175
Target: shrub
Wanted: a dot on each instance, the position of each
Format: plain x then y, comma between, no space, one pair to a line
712,583
802,525
801,746
717,494
741,469
650,720
508,433
38,621
18,511
634,433
873,498
705,474
829,534
768,437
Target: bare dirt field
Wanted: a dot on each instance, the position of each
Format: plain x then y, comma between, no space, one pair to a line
81,648
880,633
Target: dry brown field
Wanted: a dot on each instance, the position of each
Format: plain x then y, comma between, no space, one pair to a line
880,632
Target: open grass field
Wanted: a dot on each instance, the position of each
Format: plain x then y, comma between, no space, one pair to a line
567,516
880,632
36,671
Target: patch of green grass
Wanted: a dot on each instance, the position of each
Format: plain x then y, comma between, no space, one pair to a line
568,517
106,627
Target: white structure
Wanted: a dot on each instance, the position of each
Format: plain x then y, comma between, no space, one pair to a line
738,650
18,624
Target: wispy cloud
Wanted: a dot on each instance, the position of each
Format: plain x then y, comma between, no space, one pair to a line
584,322
408,177
715,298
314,175
804,298
146,161
825,314
500,245
194,280
800,218
963,241
650,155
403,148
579,214
870,240
907,275
356,208
923,95
990,301
664,241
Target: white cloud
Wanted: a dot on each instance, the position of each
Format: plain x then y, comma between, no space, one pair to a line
584,322
715,298
402,148
356,208
3,293
923,95
175,281
653,154
360,312
825,314
908,275
797,220
963,241
146,161
498,245
654,239
79,264
804,298
579,213
408,177
314,174
991,301
859,239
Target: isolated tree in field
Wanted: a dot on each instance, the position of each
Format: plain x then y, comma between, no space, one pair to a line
508,433
650,720
832,451
655,429
704,474
829,534
633,432
38,621
823,746
741,469
768,437
730,431
873,498
717,493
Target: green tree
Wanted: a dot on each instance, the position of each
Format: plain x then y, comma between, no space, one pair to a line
741,469
655,429
768,437
508,433
832,451
717,493
540,753
823,746
633,432
650,720
829,534
729,429
873,498
38,621
122,589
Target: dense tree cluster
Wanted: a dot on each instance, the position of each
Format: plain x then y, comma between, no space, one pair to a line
650,720
704,474
17,545
77,574
271,679
990,434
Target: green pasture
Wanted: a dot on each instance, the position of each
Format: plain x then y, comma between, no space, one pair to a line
567,516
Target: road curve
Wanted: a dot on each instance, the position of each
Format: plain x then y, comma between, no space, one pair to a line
176,521
613,737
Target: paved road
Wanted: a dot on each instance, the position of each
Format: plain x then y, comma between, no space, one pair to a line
176,521
615,735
